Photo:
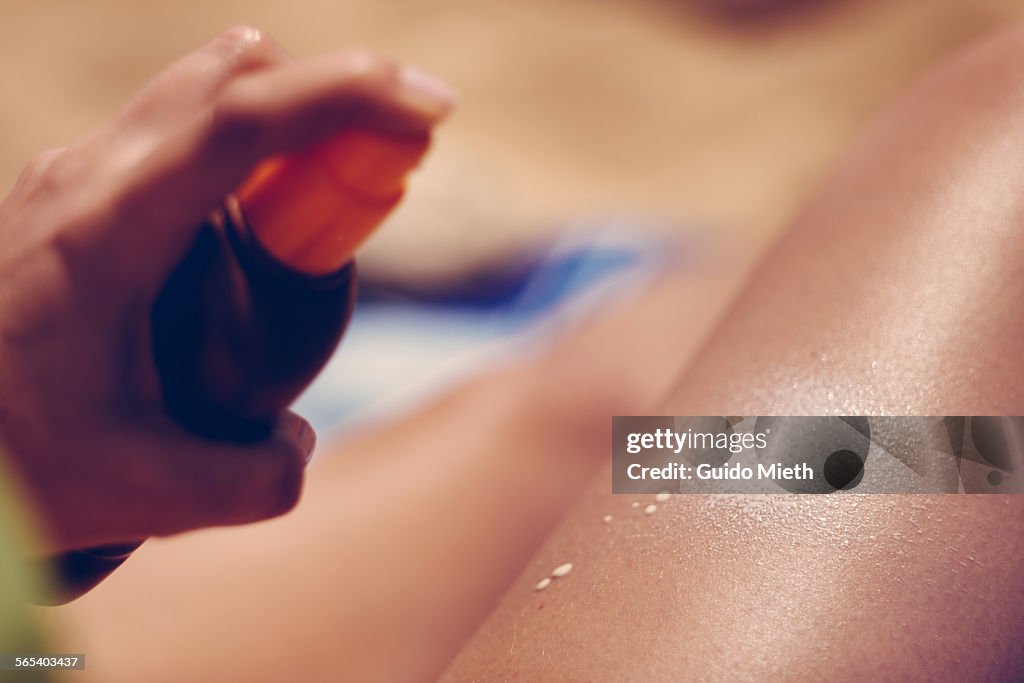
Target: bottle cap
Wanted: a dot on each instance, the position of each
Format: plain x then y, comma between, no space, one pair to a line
312,209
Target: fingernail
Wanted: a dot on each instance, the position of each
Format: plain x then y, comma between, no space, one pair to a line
307,440
429,91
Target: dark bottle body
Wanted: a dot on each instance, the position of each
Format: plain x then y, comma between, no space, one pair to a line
237,336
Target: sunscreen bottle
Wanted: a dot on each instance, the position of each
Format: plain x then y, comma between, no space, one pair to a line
261,300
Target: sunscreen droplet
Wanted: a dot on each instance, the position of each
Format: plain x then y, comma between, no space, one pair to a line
634,505
649,510
561,570
543,583
607,519
662,497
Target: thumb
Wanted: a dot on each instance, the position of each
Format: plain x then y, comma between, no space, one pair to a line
182,481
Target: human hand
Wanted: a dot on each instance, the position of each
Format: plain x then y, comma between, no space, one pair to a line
91,233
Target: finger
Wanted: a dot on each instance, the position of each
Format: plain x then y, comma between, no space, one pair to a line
169,191
294,424
167,102
192,82
183,482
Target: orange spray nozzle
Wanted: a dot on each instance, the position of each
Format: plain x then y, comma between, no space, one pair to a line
311,210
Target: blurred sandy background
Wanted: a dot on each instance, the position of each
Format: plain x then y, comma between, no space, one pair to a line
569,107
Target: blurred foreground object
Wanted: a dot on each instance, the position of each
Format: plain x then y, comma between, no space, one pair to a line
20,630
412,337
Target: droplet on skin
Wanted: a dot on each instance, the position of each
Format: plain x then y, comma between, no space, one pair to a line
634,505
561,570
662,497
543,583
607,519
650,509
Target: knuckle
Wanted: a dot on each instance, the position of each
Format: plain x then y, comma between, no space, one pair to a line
41,171
43,160
368,69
